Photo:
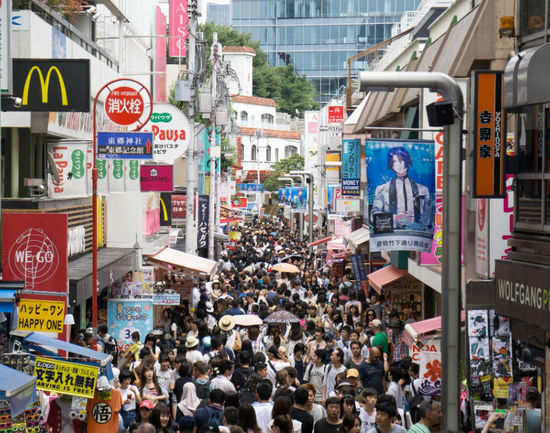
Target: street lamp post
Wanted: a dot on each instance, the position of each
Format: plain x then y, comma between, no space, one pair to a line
452,213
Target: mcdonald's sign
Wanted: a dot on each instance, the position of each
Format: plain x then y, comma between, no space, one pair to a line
51,84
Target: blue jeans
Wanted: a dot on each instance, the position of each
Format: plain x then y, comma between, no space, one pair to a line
128,416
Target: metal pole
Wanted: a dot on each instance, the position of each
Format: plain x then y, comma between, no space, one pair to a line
211,210
452,211
191,172
310,210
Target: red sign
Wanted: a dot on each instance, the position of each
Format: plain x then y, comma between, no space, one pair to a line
179,28
160,57
124,105
179,206
157,178
34,250
335,114
239,202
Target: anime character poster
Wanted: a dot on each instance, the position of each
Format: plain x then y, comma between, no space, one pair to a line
288,192
298,199
401,194
281,195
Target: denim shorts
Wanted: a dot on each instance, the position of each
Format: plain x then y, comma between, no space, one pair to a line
128,416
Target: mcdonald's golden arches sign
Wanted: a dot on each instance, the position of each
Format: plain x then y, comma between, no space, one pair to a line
51,84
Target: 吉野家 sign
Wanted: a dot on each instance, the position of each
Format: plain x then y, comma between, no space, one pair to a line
489,138
64,377
40,315
51,85
125,145
157,178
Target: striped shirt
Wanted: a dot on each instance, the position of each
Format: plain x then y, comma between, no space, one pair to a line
418,428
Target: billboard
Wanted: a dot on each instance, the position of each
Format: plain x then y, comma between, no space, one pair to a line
156,178
34,250
125,316
51,85
298,198
351,167
401,194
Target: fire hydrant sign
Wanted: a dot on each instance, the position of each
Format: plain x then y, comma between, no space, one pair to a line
40,315
65,377
124,105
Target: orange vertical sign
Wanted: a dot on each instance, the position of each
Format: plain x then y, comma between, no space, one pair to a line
488,135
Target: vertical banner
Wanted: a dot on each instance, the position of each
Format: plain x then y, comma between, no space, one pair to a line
359,271
281,196
288,191
70,164
179,28
116,175
160,57
401,194
125,316
334,193
482,238
298,199
202,224
489,140
34,250
351,167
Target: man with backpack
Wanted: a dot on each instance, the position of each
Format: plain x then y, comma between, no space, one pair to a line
210,416
106,343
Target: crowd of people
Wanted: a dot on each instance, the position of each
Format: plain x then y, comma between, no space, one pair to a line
333,364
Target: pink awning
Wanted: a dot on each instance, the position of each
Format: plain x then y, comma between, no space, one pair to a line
430,325
382,277
319,241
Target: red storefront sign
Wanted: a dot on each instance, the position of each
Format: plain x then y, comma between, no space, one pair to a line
335,114
179,206
34,250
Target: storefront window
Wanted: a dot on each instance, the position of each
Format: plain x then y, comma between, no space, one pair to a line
532,14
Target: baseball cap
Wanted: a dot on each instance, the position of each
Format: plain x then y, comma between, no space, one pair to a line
352,372
147,404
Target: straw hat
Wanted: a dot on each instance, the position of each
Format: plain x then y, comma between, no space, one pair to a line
191,341
226,323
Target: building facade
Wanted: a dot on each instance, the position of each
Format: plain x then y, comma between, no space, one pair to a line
318,36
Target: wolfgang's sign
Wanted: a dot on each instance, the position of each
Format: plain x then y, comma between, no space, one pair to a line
522,292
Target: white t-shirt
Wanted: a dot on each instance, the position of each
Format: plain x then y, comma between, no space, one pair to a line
223,383
193,356
330,378
367,421
130,392
263,414
165,378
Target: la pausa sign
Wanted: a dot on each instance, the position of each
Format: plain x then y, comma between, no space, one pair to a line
170,127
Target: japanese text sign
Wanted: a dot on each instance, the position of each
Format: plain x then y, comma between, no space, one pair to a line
179,206
124,105
335,114
202,232
34,250
489,139
157,178
65,377
125,145
40,315
179,28
351,167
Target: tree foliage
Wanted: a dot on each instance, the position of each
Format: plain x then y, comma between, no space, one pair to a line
293,93
280,168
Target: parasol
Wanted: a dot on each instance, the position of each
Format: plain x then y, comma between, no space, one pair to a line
291,256
247,320
281,316
286,267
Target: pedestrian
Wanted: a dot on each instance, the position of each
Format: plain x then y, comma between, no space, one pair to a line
430,417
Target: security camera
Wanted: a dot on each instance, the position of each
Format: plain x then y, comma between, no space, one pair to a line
16,101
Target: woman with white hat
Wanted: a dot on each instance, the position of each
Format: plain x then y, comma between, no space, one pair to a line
192,355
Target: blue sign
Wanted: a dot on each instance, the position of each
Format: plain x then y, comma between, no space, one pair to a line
401,194
298,198
281,195
359,271
125,145
125,316
251,186
351,167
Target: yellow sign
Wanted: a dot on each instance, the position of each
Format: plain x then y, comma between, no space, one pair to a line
45,85
65,377
39,315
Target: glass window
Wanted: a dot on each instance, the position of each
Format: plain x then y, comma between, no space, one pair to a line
268,153
267,118
531,16
244,116
253,153
277,154
290,150
315,32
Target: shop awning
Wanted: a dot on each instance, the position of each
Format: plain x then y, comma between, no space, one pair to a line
383,277
358,237
18,388
423,327
8,289
184,261
319,242
113,264
52,343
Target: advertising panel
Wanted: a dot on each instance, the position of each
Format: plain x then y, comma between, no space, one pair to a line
482,237
351,167
34,250
156,178
348,205
170,127
401,194
298,198
334,193
71,166
179,207
202,225
160,56
63,377
125,316
40,315
335,114
179,28
51,85
359,271
166,299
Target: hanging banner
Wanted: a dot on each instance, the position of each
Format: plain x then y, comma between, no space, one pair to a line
351,167
71,167
34,250
334,193
430,373
124,316
160,56
61,377
482,238
281,195
488,138
401,194
156,178
359,271
179,28
40,315
298,199
287,194
202,225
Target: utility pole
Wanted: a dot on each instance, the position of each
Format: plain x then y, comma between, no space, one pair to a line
192,169
211,210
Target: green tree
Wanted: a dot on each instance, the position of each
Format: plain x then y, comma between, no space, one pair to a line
293,93
280,168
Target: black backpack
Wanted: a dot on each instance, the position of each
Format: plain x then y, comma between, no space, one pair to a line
215,418
203,389
111,347
414,403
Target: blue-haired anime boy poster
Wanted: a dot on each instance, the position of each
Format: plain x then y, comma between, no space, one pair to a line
401,194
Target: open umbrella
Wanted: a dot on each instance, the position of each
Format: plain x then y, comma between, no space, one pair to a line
291,256
247,320
286,267
281,316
